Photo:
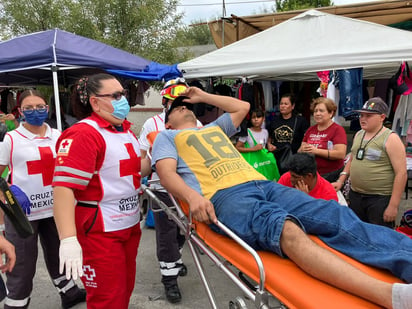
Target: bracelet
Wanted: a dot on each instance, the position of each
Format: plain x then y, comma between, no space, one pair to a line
343,173
328,154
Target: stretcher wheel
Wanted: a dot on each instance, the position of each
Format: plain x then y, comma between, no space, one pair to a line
238,303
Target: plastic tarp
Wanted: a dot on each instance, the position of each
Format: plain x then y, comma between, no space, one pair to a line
154,71
301,46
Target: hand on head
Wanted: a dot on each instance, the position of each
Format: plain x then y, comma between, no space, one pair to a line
194,94
302,186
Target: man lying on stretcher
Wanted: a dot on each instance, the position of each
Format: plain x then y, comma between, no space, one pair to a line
201,167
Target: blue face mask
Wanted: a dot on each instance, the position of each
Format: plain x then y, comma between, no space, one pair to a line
35,117
121,108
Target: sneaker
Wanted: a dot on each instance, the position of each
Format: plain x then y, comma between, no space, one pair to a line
71,298
173,294
183,270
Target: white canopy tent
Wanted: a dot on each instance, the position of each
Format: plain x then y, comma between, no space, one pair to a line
301,46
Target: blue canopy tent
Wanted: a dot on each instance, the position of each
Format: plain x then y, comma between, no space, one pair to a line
44,58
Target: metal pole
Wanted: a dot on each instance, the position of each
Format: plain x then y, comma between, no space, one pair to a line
56,98
223,22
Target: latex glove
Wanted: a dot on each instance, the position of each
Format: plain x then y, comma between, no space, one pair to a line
71,256
21,198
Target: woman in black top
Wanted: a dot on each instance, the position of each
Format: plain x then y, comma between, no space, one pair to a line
287,129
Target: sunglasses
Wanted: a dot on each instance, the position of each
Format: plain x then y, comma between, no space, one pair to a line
173,91
116,95
41,108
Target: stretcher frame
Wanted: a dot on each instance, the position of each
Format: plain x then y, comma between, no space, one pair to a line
260,296
316,294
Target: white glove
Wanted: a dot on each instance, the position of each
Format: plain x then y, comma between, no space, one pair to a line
71,256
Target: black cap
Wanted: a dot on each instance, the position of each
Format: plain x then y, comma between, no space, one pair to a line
176,103
374,106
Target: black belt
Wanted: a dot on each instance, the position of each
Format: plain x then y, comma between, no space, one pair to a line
82,204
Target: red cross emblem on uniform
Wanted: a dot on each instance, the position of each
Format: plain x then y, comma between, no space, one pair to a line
131,166
88,272
44,166
64,147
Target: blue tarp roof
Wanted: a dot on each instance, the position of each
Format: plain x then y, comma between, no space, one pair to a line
28,59
154,71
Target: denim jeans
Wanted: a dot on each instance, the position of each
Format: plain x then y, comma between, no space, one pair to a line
256,212
350,91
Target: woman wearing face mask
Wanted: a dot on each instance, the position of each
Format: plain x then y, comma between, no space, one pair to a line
29,152
96,183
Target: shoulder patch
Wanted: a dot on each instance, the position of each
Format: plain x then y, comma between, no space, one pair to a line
65,147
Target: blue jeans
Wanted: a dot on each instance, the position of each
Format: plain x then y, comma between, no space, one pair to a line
350,91
256,211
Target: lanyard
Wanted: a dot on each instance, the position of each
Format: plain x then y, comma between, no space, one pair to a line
361,151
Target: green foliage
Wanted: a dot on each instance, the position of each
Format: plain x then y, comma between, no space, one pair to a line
291,5
144,27
197,33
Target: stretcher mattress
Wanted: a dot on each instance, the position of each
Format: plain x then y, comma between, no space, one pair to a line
285,280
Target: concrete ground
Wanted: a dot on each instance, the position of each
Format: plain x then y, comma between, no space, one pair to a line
148,292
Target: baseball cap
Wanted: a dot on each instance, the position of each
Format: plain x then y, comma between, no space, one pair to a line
374,106
176,103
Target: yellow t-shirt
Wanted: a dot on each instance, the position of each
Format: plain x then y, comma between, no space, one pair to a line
213,159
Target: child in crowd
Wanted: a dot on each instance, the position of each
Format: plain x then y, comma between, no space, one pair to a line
253,147
257,136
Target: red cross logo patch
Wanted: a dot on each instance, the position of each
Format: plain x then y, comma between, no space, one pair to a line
89,273
65,147
44,166
131,166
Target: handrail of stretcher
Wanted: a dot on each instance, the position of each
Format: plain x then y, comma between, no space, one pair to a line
185,224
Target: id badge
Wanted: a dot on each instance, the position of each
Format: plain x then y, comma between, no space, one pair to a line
360,153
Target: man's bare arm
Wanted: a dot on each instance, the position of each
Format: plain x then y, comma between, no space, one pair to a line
202,209
237,109
397,155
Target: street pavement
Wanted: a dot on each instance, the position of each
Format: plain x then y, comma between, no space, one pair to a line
148,292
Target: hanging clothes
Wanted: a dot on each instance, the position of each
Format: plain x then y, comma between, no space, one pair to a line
350,91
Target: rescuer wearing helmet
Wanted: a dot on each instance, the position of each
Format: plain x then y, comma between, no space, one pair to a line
169,240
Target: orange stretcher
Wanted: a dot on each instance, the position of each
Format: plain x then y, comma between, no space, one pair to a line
277,282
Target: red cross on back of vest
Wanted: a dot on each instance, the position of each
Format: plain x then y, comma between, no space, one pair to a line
131,166
44,166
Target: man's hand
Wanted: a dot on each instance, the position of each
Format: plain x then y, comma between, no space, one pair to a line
302,186
7,248
389,215
196,95
202,209
71,256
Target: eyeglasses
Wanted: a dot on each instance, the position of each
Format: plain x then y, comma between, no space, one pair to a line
116,95
173,91
41,108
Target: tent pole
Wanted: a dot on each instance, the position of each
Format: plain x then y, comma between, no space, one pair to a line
223,23
56,98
